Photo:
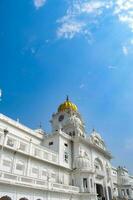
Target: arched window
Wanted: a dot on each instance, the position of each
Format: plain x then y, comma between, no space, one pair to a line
5,198
23,198
110,193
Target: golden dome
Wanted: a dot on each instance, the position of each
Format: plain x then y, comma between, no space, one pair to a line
67,105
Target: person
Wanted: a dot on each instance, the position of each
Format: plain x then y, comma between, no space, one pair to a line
125,198
114,198
99,198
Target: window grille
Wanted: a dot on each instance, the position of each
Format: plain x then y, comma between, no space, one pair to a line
10,142
22,146
35,170
7,163
20,166
44,173
53,175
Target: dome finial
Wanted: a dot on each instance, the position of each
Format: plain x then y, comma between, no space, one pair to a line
93,130
40,125
67,98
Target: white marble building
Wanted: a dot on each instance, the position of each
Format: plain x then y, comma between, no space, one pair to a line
67,164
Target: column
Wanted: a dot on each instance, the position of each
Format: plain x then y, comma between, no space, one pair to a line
89,185
81,185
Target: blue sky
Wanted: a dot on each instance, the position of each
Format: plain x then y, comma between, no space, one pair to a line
82,48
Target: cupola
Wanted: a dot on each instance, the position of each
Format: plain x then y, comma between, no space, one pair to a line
67,105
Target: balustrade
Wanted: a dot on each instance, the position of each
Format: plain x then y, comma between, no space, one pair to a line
32,182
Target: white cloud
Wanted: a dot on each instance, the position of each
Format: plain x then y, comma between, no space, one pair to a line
39,3
124,11
125,50
82,15
69,28
88,7
79,17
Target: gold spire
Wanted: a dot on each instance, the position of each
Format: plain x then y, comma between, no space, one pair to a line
67,98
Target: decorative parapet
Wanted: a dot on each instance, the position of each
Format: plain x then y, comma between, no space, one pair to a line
20,126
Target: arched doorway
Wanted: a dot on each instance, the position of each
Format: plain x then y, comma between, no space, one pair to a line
5,198
110,194
99,190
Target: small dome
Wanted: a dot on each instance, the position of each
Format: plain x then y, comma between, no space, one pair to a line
67,105
82,163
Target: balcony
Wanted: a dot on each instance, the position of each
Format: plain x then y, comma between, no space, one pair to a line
68,188
24,181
